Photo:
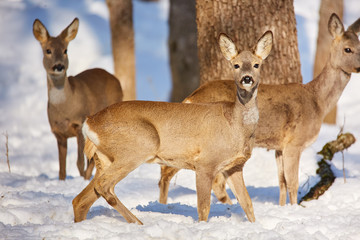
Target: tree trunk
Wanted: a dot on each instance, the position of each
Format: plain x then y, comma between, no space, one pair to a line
183,49
245,21
327,7
122,38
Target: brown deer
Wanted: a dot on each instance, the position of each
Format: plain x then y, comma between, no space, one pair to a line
290,115
71,99
207,138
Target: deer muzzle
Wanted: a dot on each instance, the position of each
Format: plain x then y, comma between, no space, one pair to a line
58,68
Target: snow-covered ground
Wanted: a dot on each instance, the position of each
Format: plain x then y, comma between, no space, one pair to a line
34,204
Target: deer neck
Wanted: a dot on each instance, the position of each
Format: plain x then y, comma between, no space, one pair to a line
328,86
58,88
245,107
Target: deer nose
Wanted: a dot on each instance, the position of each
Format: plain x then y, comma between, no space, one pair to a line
247,80
58,67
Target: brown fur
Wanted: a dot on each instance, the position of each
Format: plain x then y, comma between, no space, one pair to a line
71,99
193,136
290,115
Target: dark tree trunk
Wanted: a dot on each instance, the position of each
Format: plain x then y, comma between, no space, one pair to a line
183,49
245,21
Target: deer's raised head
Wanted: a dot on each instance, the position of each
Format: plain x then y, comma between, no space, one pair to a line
247,63
55,49
345,51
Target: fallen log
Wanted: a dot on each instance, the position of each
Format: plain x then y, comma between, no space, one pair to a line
327,177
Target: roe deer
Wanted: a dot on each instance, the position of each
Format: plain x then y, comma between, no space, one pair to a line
71,99
290,115
207,138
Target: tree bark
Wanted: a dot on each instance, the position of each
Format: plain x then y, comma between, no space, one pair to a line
327,7
122,38
183,49
245,21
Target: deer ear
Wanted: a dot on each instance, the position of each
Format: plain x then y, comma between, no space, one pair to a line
355,27
40,32
227,46
336,28
264,45
69,33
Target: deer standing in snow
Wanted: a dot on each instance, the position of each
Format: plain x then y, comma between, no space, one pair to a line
290,114
207,138
71,99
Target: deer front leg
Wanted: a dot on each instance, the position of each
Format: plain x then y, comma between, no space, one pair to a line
203,191
291,169
80,159
62,147
167,173
219,189
281,175
237,185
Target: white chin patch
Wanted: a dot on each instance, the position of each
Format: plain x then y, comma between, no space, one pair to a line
247,85
57,96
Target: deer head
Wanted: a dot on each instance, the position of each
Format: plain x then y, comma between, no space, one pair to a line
246,64
55,50
345,51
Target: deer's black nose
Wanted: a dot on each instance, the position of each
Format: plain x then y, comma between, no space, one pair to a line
247,80
58,67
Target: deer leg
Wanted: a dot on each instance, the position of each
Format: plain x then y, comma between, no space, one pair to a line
219,189
80,159
203,191
282,182
62,147
105,184
291,169
237,185
167,173
83,201
90,168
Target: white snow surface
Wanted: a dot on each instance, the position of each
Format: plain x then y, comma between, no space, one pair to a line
34,204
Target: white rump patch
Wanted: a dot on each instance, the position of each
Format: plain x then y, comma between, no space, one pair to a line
87,132
57,96
251,116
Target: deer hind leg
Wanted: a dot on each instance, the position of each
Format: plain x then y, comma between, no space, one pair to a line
80,160
62,147
90,167
83,201
105,183
203,191
281,175
167,173
291,169
237,185
219,188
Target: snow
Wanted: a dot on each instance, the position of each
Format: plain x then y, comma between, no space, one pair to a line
34,204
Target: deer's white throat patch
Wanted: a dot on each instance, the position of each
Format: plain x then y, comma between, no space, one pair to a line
251,116
57,96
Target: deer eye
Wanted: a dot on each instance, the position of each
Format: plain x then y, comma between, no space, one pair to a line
347,50
236,66
256,65
48,51
65,52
